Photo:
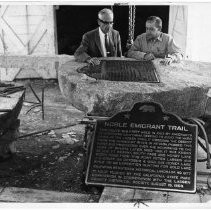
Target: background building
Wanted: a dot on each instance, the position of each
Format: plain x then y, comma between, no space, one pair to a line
31,29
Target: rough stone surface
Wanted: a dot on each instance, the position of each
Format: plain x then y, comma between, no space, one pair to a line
183,89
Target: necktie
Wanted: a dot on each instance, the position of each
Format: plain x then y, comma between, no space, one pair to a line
107,46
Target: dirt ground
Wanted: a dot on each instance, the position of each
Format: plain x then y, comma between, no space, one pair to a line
53,159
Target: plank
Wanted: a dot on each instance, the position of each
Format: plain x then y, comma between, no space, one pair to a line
10,102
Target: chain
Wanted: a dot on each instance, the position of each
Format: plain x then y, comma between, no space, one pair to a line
112,8
201,194
131,23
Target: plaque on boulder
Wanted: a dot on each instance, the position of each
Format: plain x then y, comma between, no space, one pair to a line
122,70
144,148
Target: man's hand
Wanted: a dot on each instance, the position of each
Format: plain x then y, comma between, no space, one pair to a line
93,61
149,57
166,61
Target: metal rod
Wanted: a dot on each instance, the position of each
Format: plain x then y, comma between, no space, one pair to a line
34,106
34,93
205,138
49,129
43,103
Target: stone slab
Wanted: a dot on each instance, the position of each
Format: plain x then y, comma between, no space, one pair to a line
9,74
206,198
183,89
126,195
26,195
115,194
31,66
174,197
118,195
121,195
150,196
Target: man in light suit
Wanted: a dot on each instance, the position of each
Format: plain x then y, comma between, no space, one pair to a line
103,41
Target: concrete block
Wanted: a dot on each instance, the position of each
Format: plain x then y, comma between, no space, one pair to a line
115,194
174,197
151,196
26,195
206,198
31,66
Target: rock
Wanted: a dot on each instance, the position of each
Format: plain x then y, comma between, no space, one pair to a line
12,147
52,132
37,109
61,159
71,133
183,89
56,146
65,135
27,104
75,140
66,140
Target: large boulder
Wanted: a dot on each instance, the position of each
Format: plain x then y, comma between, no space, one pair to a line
182,90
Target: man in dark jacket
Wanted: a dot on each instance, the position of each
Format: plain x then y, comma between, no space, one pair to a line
103,41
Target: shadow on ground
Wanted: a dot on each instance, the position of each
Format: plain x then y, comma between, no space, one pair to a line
54,158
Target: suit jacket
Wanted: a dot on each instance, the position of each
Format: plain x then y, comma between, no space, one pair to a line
91,46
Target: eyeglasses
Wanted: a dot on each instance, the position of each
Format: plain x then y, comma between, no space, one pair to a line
150,29
106,22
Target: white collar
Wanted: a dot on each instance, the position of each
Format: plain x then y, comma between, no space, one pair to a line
101,33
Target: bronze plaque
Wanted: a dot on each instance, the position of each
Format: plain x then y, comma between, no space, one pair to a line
123,70
144,148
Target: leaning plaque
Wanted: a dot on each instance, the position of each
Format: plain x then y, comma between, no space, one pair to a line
123,70
144,148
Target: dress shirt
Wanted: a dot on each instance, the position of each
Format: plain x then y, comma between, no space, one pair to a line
161,47
102,41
